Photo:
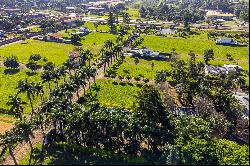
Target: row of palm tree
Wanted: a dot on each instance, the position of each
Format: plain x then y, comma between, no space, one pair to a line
68,78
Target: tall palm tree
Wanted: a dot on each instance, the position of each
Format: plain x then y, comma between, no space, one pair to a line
47,76
25,87
16,106
39,90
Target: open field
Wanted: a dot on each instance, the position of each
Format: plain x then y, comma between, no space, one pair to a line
184,46
93,41
133,13
54,52
65,154
116,94
100,27
142,69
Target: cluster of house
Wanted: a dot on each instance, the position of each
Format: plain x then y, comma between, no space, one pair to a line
217,14
227,41
210,69
147,53
55,37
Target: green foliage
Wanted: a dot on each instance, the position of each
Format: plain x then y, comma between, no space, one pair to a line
218,152
35,57
11,62
208,55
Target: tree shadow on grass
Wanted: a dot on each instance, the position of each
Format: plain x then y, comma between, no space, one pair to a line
64,154
77,44
11,71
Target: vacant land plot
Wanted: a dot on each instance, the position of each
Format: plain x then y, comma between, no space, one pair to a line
117,94
198,46
145,68
6,122
54,52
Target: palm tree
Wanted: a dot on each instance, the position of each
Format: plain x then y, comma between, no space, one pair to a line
25,87
39,90
16,106
25,129
89,56
47,77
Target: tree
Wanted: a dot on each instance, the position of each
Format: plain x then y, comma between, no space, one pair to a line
76,38
155,125
214,152
25,87
11,62
208,55
126,18
244,15
49,66
229,57
96,24
111,22
32,65
136,60
152,65
160,76
47,76
35,57
16,106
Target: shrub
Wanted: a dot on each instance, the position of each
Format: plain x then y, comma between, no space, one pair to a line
11,62
49,66
35,57
137,78
33,66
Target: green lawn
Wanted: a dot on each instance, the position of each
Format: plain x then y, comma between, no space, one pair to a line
143,68
95,41
65,154
133,13
54,52
198,46
116,95
100,27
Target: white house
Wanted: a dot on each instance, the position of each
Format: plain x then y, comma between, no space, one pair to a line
227,41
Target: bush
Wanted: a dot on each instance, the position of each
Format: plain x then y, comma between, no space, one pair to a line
137,78
11,62
146,80
33,66
35,57
49,66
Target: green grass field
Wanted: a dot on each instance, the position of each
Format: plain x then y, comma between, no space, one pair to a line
143,68
133,13
54,52
184,46
116,95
